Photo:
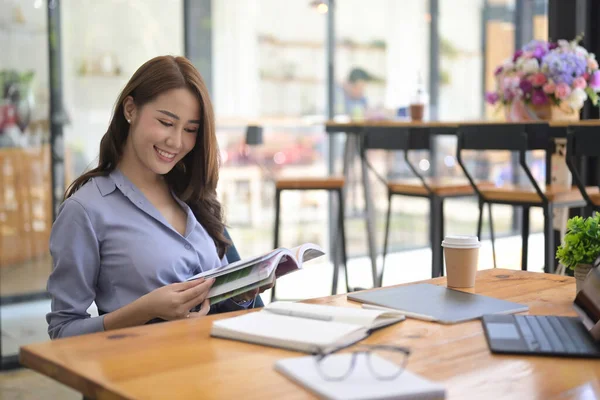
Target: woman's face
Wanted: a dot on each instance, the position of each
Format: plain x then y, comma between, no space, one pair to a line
162,131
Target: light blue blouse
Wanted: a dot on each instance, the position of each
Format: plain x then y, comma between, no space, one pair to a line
110,245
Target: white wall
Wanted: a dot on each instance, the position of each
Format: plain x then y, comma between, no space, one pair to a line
235,62
460,23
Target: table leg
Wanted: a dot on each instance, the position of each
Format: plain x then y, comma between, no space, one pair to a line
549,249
436,235
370,213
525,238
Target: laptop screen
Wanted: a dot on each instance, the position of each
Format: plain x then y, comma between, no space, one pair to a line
587,303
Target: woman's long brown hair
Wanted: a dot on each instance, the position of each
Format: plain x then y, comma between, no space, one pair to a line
195,181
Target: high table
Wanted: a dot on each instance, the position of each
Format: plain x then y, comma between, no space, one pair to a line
356,130
179,360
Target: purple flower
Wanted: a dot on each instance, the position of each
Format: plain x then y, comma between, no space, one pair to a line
537,48
539,52
492,97
518,54
564,67
498,70
534,44
552,45
525,85
539,97
595,81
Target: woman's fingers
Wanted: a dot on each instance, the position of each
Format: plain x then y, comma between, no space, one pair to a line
195,292
203,311
182,286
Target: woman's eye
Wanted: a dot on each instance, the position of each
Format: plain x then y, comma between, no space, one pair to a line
165,123
192,130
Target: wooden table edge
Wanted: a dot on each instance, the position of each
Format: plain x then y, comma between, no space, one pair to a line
105,390
80,383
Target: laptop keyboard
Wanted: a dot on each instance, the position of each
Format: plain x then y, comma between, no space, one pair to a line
550,334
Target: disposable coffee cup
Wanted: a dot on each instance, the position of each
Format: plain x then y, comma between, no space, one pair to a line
462,255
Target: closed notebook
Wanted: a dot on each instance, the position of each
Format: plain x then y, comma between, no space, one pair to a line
303,327
361,383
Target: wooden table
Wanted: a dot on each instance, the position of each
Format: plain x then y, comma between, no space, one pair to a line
178,360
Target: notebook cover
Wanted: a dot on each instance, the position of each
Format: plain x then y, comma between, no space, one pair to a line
437,303
360,384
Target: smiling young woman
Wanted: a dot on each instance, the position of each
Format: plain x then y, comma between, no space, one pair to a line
132,230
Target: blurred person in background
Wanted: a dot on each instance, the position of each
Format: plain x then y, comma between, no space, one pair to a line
355,101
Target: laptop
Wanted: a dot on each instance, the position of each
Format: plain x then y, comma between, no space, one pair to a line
435,303
548,335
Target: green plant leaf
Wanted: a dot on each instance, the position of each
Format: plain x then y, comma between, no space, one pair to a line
592,95
581,244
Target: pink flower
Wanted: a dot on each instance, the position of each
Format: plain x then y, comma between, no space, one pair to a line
538,79
592,64
528,54
549,88
586,76
562,91
579,83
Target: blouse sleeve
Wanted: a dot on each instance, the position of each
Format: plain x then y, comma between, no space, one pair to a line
76,263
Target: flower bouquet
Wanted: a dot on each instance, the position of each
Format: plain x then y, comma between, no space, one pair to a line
544,79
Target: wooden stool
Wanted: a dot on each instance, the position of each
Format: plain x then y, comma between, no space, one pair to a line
436,190
333,184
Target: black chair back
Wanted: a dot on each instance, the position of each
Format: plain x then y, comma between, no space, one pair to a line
583,143
386,138
504,136
396,139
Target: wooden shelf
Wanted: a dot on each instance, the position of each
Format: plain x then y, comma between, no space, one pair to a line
282,79
318,45
306,80
22,29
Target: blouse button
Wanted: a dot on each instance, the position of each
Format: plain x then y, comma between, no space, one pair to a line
187,246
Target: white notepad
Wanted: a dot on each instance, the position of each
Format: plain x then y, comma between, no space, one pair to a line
304,327
360,384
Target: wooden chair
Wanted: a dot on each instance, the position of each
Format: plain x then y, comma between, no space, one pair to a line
334,185
436,190
584,142
519,138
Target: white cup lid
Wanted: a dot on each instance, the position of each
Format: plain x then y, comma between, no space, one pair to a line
461,242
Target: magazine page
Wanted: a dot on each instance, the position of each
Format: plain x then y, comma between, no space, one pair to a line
233,293
249,275
307,252
235,266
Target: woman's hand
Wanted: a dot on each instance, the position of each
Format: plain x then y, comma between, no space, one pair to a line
252,293
176,300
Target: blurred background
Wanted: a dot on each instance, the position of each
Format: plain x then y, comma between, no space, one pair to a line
62,65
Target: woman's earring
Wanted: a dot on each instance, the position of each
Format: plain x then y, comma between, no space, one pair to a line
129,121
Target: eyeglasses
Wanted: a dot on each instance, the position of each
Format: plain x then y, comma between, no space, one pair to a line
383,361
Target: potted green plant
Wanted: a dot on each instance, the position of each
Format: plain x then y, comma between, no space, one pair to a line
581,246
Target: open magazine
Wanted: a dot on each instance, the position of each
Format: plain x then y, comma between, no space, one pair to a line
245,275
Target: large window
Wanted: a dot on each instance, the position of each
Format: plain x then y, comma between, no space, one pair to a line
268,68
25,190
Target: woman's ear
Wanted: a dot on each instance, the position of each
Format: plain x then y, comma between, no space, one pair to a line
129,109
